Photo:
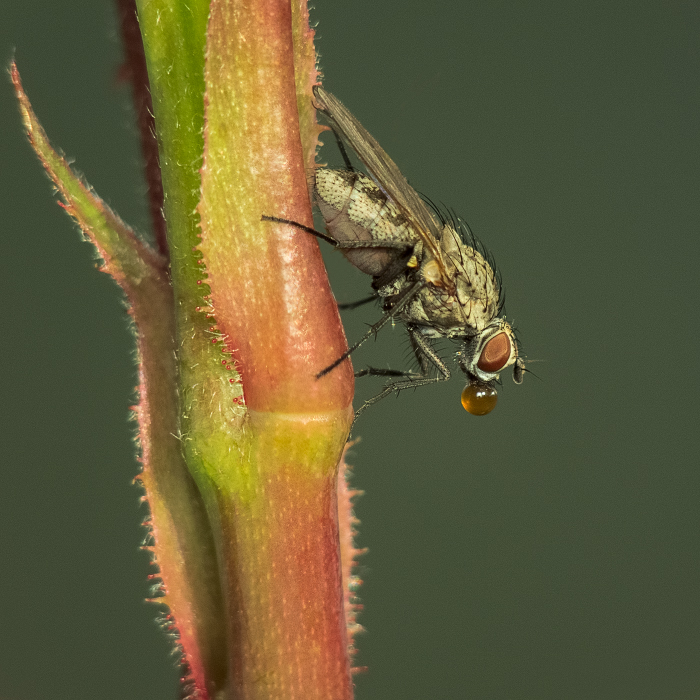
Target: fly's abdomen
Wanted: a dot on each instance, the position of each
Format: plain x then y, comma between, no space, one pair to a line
355,209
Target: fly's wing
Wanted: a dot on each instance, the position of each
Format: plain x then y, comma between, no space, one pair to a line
385,173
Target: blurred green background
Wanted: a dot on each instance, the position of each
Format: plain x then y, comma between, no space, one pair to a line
548,551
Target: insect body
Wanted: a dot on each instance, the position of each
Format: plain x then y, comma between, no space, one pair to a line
427,269
354,208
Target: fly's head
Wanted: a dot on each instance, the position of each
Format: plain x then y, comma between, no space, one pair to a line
484,355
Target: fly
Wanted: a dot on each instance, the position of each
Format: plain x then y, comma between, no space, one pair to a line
427,269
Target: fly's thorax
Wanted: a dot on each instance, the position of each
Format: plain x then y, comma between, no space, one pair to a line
475,281
486,354
471,303
355,209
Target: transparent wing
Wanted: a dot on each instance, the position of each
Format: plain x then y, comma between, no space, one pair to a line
385,173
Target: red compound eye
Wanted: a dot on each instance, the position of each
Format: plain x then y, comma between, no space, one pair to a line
479,399
495,354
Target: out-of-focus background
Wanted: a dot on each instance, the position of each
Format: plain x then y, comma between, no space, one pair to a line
548,551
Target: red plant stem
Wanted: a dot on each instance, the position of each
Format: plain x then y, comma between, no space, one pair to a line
269,290
266,467
287,634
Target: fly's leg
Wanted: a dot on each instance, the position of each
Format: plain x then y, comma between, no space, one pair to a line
427,358
403,246
380,372
308,229
386,372
375,327
341,147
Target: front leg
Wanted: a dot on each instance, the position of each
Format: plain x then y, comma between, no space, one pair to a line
427,359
